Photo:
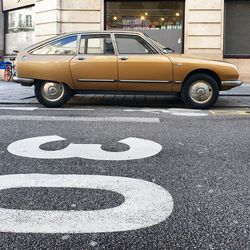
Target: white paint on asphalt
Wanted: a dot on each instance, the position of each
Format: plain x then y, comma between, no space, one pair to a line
190,114
176,112
19,108
30,147
78,119
146,204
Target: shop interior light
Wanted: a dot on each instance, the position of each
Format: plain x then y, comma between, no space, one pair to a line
142,17
177,14
162,18
146,13
115,18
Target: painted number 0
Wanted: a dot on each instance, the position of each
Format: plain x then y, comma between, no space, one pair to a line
146,204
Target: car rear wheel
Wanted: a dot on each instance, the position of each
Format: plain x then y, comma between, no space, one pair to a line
52,94
200,91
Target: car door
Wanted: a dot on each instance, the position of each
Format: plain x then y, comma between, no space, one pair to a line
140,66
95,65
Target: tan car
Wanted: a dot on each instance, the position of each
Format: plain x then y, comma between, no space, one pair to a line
119,62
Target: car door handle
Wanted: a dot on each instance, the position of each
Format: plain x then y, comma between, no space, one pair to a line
81,58
123,58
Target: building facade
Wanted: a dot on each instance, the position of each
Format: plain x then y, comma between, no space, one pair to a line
216,29
1,31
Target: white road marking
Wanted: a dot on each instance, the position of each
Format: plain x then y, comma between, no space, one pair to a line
176,112
146,204
46,109
19,108
80,119
139,149
65,109
190,114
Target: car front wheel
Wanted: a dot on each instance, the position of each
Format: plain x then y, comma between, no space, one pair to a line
200,91
52,94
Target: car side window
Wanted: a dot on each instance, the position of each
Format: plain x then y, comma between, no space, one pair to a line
64,46
97,45
132,44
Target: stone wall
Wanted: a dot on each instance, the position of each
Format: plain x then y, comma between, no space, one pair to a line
54,17
204,28
1,29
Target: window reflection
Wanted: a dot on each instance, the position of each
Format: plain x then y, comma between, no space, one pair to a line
21,20
145,15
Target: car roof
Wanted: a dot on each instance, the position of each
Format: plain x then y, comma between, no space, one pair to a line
82,32
104,32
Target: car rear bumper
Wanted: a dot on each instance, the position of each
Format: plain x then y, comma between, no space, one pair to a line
24,81
226,85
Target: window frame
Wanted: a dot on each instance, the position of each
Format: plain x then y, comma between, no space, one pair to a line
153,49
94,35
233,56
53,41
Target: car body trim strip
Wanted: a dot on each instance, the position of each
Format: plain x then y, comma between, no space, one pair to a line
144,81
96,80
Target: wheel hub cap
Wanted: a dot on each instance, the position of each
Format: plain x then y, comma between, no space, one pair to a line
201,92
52,91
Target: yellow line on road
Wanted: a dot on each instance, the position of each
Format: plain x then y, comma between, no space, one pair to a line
230,112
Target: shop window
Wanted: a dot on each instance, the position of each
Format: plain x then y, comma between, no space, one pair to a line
19,29
101,44
64,46
21,20
144,15
237,29
160,20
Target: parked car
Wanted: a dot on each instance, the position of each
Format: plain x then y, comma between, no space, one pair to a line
119,62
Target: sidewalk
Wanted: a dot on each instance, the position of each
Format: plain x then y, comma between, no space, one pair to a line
13,93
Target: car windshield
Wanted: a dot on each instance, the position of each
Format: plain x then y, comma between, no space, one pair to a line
160,46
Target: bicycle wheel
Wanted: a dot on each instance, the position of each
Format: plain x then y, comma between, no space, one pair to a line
7,73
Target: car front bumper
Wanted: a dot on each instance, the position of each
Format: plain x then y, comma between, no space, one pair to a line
24,81
226,85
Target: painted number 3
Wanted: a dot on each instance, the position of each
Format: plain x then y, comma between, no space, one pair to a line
146,204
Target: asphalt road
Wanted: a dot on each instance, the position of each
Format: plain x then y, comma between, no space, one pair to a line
179,181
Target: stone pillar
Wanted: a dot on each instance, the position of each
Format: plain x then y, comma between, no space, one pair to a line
54,17
1,30
204,28
78,15
47,19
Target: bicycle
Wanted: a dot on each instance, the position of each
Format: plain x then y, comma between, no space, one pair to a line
10,70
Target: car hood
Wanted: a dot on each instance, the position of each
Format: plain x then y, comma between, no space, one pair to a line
182,58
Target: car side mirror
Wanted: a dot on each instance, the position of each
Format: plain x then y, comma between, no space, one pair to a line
168,50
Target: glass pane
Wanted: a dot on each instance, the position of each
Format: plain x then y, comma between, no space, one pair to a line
64,46
237,30
21,20
97,45
131,45
161,20
144,15
82,46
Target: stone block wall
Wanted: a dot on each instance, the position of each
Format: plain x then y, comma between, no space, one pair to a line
54,17
1,30
204,28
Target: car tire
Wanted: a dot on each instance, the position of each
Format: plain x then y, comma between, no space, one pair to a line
200,91
52,94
